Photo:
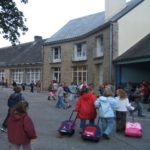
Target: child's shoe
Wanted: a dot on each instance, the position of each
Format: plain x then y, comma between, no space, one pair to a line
105,136
3,129
69,106
81,130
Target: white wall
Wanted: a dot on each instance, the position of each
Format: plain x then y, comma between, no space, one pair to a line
112,7
133,26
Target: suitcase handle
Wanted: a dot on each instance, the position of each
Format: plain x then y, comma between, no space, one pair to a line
72,115
98,121
132,115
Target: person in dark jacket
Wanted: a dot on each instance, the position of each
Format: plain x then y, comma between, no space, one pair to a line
32,87
138,101
21,129
12,101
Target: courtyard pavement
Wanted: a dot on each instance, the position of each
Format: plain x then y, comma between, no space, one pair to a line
47,120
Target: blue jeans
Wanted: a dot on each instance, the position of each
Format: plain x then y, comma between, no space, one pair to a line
60,102
107,125
83,122
138,107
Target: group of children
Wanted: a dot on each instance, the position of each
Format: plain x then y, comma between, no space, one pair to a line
111,109
62,93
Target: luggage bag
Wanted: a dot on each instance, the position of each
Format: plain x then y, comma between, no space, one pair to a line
91,132
67,127
133,129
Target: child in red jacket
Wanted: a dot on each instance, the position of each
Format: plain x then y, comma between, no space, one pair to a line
85,108
20,127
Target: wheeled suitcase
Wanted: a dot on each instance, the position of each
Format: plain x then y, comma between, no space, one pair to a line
133,128
68,126
92,132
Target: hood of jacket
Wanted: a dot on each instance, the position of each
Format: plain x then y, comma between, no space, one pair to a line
87,96
15,116
105,106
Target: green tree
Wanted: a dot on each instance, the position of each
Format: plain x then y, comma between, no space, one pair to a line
12,21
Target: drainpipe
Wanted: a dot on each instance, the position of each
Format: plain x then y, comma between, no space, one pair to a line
42,69
110,51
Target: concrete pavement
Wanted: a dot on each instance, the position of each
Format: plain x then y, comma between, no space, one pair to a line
47,120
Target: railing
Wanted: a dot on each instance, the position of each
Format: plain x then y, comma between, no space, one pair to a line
55,60
79,58
97,52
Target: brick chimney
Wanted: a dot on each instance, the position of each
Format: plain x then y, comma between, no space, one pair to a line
112,7
36,38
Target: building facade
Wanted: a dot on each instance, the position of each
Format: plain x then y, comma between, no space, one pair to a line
86,49
21,63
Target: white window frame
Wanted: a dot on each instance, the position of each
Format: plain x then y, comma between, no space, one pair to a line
80,51
33,75
56,73
99,50
56,54
79,74
17,75
2,75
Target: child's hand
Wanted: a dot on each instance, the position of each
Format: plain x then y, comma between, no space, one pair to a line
33,141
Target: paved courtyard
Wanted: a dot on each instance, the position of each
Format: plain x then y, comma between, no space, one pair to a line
47,120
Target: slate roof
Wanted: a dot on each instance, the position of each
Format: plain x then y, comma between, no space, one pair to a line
78,27
138,51
23,54
81,27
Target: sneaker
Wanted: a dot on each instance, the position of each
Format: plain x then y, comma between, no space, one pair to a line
81,130
69,106
105,136
3,129
141,116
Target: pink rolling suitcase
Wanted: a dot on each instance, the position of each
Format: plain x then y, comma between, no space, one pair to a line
133,129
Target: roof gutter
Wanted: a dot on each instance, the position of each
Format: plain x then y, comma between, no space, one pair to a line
110,51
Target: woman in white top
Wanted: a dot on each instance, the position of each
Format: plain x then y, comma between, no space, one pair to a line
123,107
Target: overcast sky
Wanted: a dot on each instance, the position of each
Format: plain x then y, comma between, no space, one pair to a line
45,17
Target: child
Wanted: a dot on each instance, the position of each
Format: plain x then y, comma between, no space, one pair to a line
85,108
51,95
107,106
66,100
123,107
20,127
13,99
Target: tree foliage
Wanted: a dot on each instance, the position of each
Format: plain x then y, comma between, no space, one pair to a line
12,21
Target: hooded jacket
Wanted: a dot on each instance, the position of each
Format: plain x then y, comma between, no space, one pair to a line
85,106
14,99
107,106
20,128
